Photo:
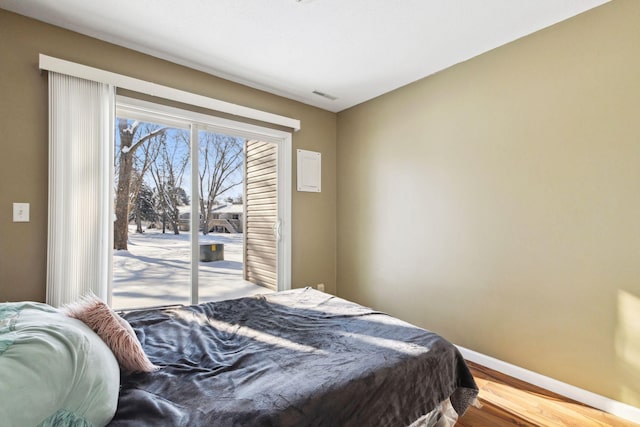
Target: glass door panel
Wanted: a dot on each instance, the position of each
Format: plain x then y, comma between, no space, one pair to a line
152,250
221,210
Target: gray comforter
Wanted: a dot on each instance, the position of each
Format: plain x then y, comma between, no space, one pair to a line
294,358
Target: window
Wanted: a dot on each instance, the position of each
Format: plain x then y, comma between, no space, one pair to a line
176,172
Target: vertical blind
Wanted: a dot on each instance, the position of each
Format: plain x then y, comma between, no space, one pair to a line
80,162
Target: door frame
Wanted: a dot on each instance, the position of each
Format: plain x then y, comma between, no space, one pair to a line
144,110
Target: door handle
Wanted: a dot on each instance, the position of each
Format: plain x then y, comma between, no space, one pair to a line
276,229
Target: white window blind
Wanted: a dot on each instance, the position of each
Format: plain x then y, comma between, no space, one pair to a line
80,162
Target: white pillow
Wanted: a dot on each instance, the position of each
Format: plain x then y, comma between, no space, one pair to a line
55,370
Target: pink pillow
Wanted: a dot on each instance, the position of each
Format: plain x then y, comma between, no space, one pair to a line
114,331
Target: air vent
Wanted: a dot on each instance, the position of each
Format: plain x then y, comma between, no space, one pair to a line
325,95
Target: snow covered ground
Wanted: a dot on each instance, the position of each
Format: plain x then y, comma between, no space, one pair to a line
156,270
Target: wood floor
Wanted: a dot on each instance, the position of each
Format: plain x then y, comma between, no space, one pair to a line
507,401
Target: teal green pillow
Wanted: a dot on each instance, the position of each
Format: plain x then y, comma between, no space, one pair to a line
55,370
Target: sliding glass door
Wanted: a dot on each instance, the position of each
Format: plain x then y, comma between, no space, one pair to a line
199,211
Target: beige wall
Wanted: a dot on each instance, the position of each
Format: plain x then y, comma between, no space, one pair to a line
23,149
498,202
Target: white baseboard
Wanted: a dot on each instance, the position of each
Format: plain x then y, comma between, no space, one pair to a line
594,400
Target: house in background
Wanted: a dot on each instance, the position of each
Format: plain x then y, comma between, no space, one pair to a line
226,217
515,173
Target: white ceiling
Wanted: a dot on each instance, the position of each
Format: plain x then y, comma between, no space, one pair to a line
353,50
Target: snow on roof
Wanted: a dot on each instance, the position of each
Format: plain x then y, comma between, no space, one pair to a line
230,208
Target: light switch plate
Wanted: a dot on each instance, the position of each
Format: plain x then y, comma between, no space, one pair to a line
21,212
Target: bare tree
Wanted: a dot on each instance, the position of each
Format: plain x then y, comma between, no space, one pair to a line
129,143
167,172
144,157
221,157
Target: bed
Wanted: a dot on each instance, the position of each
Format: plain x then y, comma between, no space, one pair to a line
293,358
